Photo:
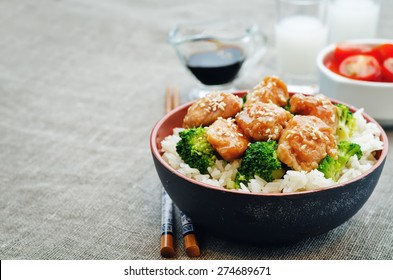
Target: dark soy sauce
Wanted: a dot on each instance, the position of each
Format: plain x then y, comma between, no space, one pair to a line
216,67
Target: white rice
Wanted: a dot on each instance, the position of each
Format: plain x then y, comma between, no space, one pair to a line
222,174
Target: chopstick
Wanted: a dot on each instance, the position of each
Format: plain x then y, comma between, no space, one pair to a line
171,100
167,249
190,242
189,237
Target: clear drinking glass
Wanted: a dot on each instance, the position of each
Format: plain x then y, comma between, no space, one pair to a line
352,19
301,32
217,52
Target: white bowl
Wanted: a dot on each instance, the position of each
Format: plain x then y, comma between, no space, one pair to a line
375,97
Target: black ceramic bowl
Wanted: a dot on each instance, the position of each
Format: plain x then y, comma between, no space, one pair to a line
259,217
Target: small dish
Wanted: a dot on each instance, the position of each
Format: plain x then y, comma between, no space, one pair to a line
375,97
218,52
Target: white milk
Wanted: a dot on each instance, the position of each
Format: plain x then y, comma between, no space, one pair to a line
298,40
352,19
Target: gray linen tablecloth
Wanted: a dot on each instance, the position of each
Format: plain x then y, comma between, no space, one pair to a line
81,86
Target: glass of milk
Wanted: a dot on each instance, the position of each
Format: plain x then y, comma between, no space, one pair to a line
301,32
352,19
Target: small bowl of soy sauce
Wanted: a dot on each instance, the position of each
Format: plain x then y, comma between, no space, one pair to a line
217,52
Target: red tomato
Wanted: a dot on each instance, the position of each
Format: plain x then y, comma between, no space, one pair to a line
387,70
344,50
361,67
332,65
386,50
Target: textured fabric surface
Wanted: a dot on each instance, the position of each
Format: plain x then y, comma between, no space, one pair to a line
81,86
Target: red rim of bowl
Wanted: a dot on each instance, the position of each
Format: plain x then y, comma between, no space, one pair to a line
157,154
330,48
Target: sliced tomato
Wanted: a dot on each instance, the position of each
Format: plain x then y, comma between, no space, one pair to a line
387,70
361,67
386,50
344,50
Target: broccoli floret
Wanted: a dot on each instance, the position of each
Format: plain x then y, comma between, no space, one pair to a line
331,168
259,159
346,150
346,122
195,150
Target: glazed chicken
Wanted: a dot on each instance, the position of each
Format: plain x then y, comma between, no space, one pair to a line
305,142
263,121
270,90
207,109
227,138
315,105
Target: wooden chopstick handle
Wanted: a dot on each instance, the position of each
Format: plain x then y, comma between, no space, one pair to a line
171,100
168,100
189,237
191,245
167,248
175,98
